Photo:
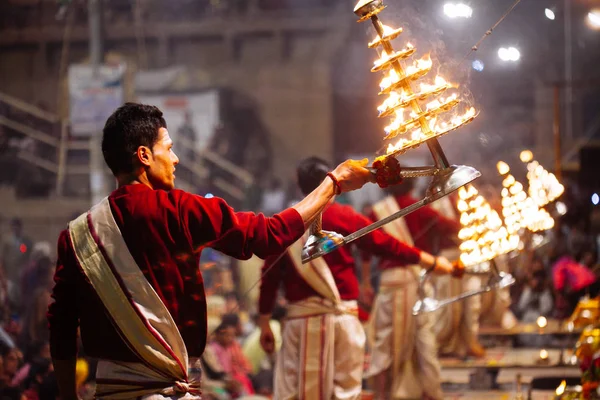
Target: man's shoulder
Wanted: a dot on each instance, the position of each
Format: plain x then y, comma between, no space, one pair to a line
64,242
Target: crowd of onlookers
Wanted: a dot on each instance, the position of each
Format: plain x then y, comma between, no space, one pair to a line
26,271
553,278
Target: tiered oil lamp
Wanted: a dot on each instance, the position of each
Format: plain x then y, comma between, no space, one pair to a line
518,209
544,187
483,235
417,118
483,238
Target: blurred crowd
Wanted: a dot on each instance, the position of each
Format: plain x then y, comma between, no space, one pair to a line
552,275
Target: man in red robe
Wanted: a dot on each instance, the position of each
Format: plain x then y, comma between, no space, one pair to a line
127,271
404,362
323,340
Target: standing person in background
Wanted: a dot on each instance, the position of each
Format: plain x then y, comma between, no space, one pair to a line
14,256
404,361
127,271
323,348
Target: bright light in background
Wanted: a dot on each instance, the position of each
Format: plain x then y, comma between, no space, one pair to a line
593,18
549,14
509,54
561,208
458,10
526,156
209,196
478,65
595,199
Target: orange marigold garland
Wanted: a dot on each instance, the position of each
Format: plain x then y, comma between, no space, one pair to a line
387,171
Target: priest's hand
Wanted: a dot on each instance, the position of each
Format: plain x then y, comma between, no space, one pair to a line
352,174
459,270
267,339
439,265
443,266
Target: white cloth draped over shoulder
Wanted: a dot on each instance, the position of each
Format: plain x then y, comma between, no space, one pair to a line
322,354
403,347
136,311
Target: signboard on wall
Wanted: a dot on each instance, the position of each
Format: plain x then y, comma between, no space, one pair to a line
93,97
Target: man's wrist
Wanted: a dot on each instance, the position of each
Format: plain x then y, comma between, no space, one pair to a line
337,188
432,267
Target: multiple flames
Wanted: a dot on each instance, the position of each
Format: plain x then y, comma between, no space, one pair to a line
412,122
483,234
544,187
520,210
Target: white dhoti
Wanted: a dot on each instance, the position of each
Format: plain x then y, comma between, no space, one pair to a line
322,354
403,346
457,325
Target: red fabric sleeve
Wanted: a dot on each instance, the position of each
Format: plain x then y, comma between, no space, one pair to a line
443,225
213,223
62,313
271,281
380,243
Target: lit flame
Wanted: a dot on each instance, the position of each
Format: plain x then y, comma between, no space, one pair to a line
439,83
544,187
388,31
518,209
483,235
400,126
441,102
526,156
455,122
542,322
561,388
417,122
503,168
419,66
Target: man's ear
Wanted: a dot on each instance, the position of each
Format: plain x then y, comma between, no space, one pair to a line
144,155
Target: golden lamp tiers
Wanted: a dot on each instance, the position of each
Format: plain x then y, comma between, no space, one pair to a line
394,82
404,127
389,34
386,61
403,101
446,178
441,130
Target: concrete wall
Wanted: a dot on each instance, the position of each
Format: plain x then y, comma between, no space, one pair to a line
284,63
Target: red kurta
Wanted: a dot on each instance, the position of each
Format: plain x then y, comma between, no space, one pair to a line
344,220
429,228
165,233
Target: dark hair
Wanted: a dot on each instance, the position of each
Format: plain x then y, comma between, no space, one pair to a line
232,295
230,319
311,172
540,274
132,125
